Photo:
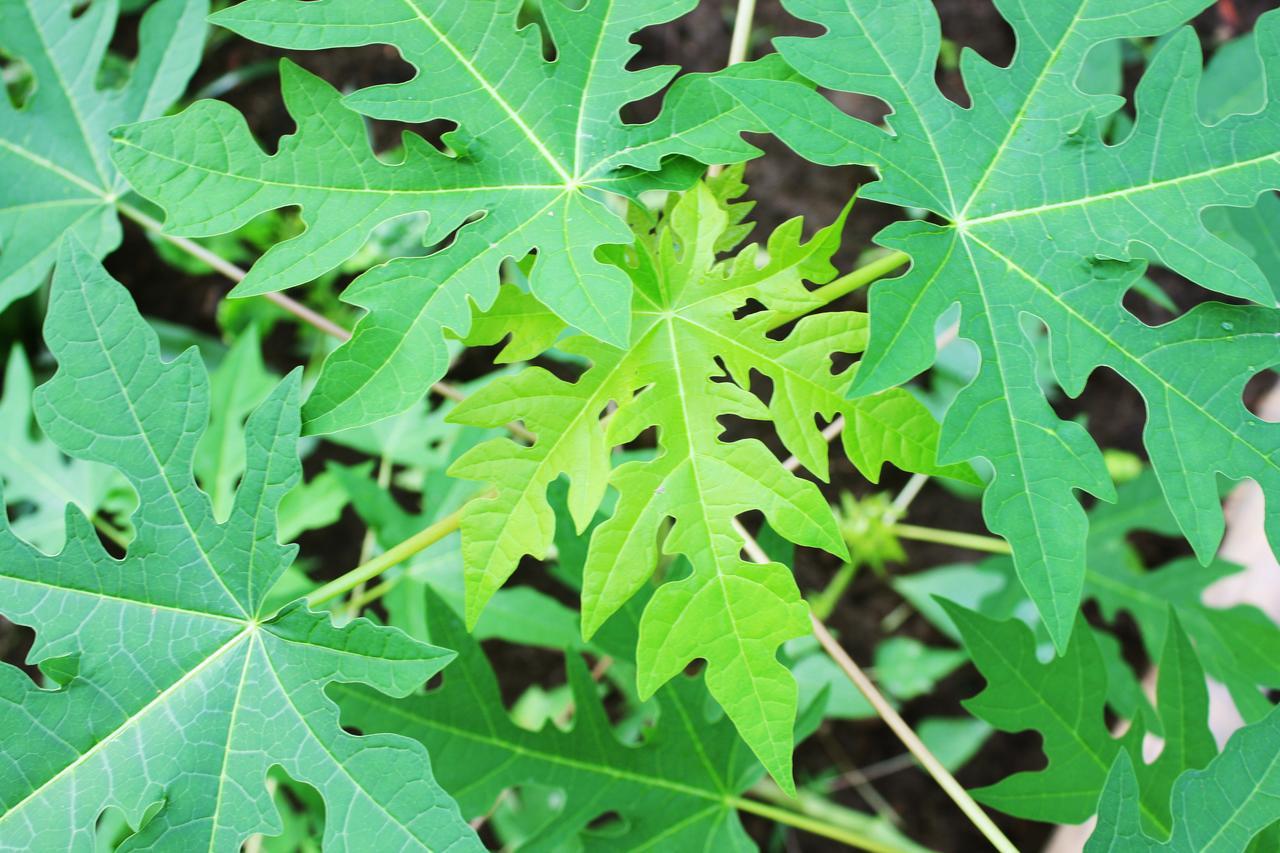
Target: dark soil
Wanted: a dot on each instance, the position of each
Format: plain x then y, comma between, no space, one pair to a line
784,186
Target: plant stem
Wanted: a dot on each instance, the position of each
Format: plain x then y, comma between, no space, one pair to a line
110,531
895,722
971,541
911,740
365,572
824,603
846,284
233,272
739,45
871,837
292,306
908,494
741,40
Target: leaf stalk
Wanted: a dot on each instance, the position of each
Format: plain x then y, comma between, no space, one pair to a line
970,541
390,558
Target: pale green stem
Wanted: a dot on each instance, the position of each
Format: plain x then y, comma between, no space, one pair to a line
971,541
388,559
739,44
911,740
741,40
370,538
846,284
824,603
110,531
859,831
892,718
908,494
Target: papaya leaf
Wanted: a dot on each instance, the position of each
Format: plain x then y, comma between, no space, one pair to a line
678,789
54,165
1044,222
1237,645
689,364
178,690
1219,809
1064,701
541,147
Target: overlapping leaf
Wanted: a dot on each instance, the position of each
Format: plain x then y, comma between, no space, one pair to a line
1064,700
178,691
540,147
690,364
1219,809
674,792
1238,645
55,173
40,482
1045,222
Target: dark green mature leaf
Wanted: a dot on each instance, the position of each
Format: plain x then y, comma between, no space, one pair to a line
1064,701
55,173
1219,809
541,147
690,364
1235,82
180,689
1043,220
679,789
1238,645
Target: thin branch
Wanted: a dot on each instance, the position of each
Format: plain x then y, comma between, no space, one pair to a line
907,495
912,741
848,283
887,713
740,43
288,304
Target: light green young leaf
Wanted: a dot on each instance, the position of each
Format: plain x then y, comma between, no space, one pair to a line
1219,809
37,477
178,691
689,365
55,171
1064,700
541,147
1045,222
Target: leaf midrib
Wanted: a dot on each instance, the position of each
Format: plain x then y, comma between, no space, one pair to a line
490,90
1125,192
742,656
145,437
72,104
1024,108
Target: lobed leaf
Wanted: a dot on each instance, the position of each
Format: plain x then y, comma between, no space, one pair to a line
1045,222
690,364
177,690
54,164
540,149
1064,700
1218,809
